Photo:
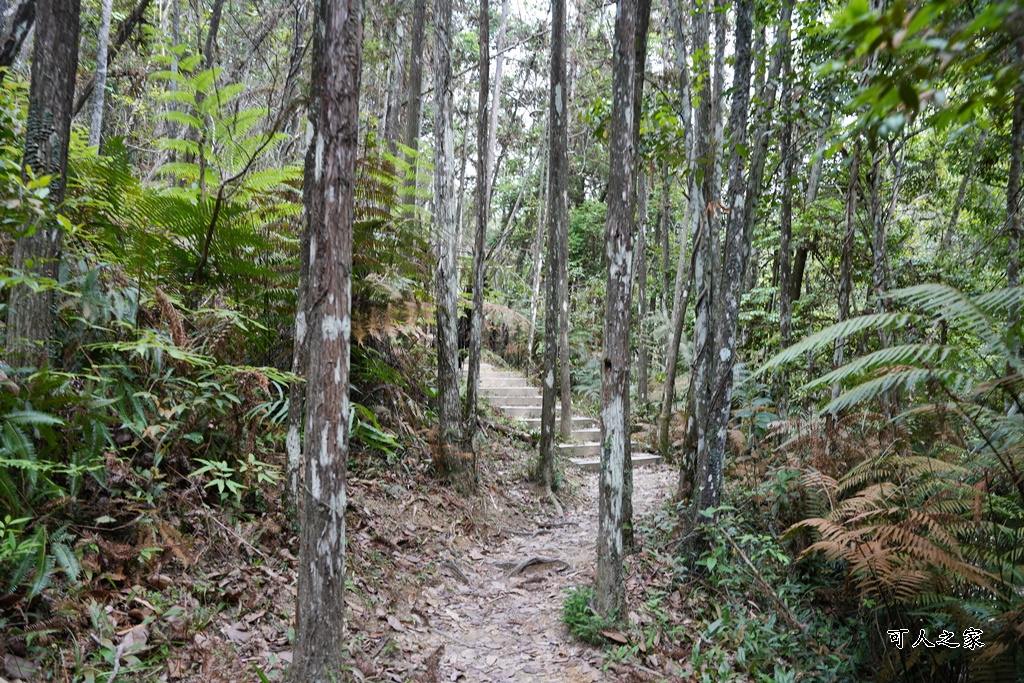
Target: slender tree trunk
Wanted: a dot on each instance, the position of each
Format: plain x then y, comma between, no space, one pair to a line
483,202
711,459
698,399
462,170
492,131
209,52
610,592
393,112
878,237
680,296
1014,200
124,30
947,238
641,282
803,249
538,241
99,90
665,223
786,211
641,25
30,315
446,281
415,97
564,362
557,222
846,265
319,632
13,33
759,153
1013,185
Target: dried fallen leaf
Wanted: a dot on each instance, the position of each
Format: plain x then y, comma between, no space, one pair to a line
615,636
238,633
159,581
395,623
19,667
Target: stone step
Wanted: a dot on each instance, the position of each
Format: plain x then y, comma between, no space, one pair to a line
533,423
590,449
496,392
517,401
515,383
522,411
594,464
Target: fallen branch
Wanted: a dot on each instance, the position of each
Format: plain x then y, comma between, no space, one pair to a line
517,568
783,608
458,572
556,525
529,534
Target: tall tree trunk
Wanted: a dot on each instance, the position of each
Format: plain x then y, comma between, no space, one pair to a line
99,90
492,131
846,265
610,592
641,282
1014,200
319,632
462,170
759,154
641,25
210,51
415,97
954,218
446,280
538,238
557,222
296,390
30,315
665,226
878,229
13,33
698,397
711,458
786,211
680,296
393,111
124,30
483,205
1013,186
803,249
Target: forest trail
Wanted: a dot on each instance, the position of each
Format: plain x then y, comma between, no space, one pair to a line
508,628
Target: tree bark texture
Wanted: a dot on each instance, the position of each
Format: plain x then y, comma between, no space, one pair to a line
99,90
698,398
846,260
759,153
684,276
492,130
393,111
483,205
319,632
415,97
711,461
557,223
13,34
210,51
31,315
610,594
538,240
446,280
643,354
786,211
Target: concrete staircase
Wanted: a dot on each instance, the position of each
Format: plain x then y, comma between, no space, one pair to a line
519,399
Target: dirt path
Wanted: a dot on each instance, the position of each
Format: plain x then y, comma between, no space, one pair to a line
510,629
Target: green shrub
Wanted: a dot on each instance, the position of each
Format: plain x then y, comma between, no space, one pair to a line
581,619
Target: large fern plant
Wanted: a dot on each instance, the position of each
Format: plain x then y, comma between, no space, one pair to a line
929,525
